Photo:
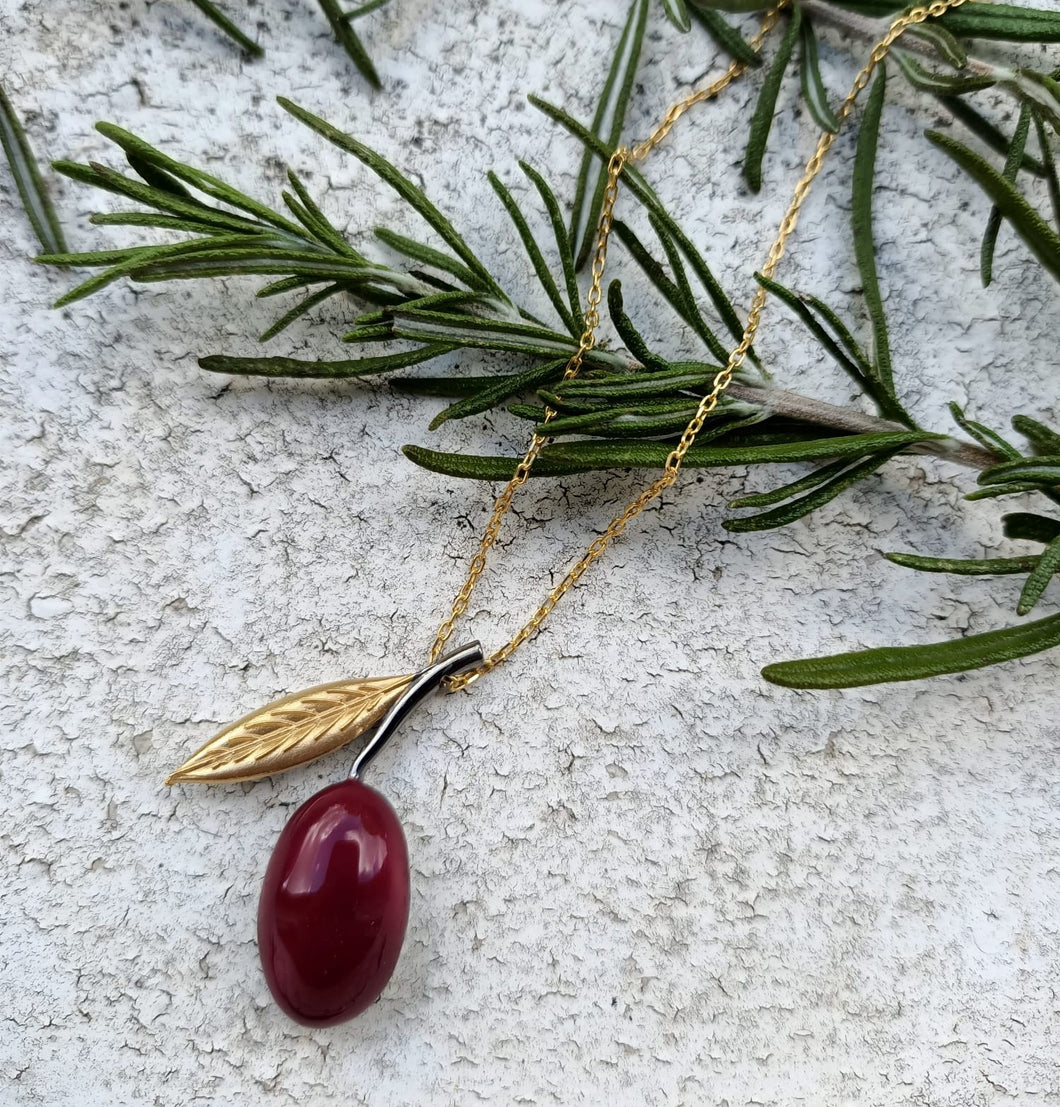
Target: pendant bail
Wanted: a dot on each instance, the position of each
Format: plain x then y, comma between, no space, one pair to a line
423,684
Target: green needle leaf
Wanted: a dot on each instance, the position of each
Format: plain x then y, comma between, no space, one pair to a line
943,84
1000,22
992,136
315,221
968,567
677,13
693,376
1003,23
126,263
324,370
446,388
28,181
1026,526
725,35
1044,439
946,45
1051,177
1013,162
861,218
300,309
1036,470
689,309
824,493
1036,583
563,458
533,252
986,437
402,186
136,148
813,90
428,255
837,340
1030,226
762,121
1041,91
607,126
628,332
563,243
218,17
492,334
348,40
787,491
893,663
499,389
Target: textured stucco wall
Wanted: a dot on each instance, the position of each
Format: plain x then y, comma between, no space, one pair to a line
640,874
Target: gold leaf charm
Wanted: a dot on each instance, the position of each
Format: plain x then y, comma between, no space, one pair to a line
292,731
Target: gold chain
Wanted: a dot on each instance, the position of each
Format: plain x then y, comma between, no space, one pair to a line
619,159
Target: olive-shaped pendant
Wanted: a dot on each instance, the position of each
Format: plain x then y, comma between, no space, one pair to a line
335,900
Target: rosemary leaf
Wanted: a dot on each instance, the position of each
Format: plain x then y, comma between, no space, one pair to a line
813,90
964,566
35,199
828,490
946,45
428,255
561,459
348,40
325,370
497,390
992,136
412,195
607,125
677,13
1035,470
677,377
1013,162
627,332
725,35
563,243
864,243
986,437
944,84
216,189
1036,583
1044,439
216,16
1028,527
999,22
300,309
1051,176
1029,225
895,663
316,222
762,120
533,252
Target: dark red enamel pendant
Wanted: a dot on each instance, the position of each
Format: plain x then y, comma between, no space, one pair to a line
334,905
335,901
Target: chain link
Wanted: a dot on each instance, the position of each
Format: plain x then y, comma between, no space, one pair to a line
615,167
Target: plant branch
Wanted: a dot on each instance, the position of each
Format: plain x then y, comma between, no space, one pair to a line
779,401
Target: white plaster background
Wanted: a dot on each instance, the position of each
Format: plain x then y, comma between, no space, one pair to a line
640,874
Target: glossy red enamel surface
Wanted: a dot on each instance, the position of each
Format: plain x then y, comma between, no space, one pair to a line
334,905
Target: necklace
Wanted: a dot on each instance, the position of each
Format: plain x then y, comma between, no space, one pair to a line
335,899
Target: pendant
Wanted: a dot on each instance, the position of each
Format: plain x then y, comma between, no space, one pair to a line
335,900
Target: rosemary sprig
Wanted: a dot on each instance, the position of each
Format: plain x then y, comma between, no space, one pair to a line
629,404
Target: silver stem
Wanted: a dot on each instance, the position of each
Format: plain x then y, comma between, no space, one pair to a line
422,686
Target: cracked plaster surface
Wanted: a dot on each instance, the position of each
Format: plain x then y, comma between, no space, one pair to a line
640,873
